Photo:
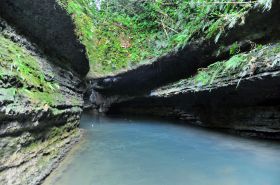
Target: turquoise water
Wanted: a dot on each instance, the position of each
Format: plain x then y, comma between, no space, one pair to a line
146,152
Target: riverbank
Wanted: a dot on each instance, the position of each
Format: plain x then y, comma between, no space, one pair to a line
63,158
65,149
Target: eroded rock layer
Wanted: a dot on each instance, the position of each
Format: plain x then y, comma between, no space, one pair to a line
260,27
236,91
47,24
246,102
40,108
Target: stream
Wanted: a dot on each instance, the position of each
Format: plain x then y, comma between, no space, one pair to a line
131,151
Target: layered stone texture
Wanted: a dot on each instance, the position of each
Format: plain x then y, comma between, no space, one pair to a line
261,27
48,25
40,108
246,102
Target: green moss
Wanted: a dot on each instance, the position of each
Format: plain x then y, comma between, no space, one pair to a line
42,98
51,136
16,61
19,64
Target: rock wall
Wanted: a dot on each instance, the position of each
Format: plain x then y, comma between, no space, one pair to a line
260,27
48,25
247,103
40,102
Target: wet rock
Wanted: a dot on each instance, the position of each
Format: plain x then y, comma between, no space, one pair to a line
34,136
248,105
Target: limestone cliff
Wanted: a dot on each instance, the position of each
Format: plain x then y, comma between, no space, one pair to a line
48,25
41,89
243,100
238,92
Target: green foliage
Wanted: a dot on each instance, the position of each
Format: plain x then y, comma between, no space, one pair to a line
234,63
23,66
266,4
125,32
207,76
18,63
234,49
239,65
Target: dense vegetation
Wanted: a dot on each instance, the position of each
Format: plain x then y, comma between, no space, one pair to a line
241,65
123,33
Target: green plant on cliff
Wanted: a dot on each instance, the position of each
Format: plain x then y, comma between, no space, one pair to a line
19,64
234,65
123,33
239,65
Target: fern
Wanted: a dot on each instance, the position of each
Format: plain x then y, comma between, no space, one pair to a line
122,33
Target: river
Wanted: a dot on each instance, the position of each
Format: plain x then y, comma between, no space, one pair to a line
130,151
